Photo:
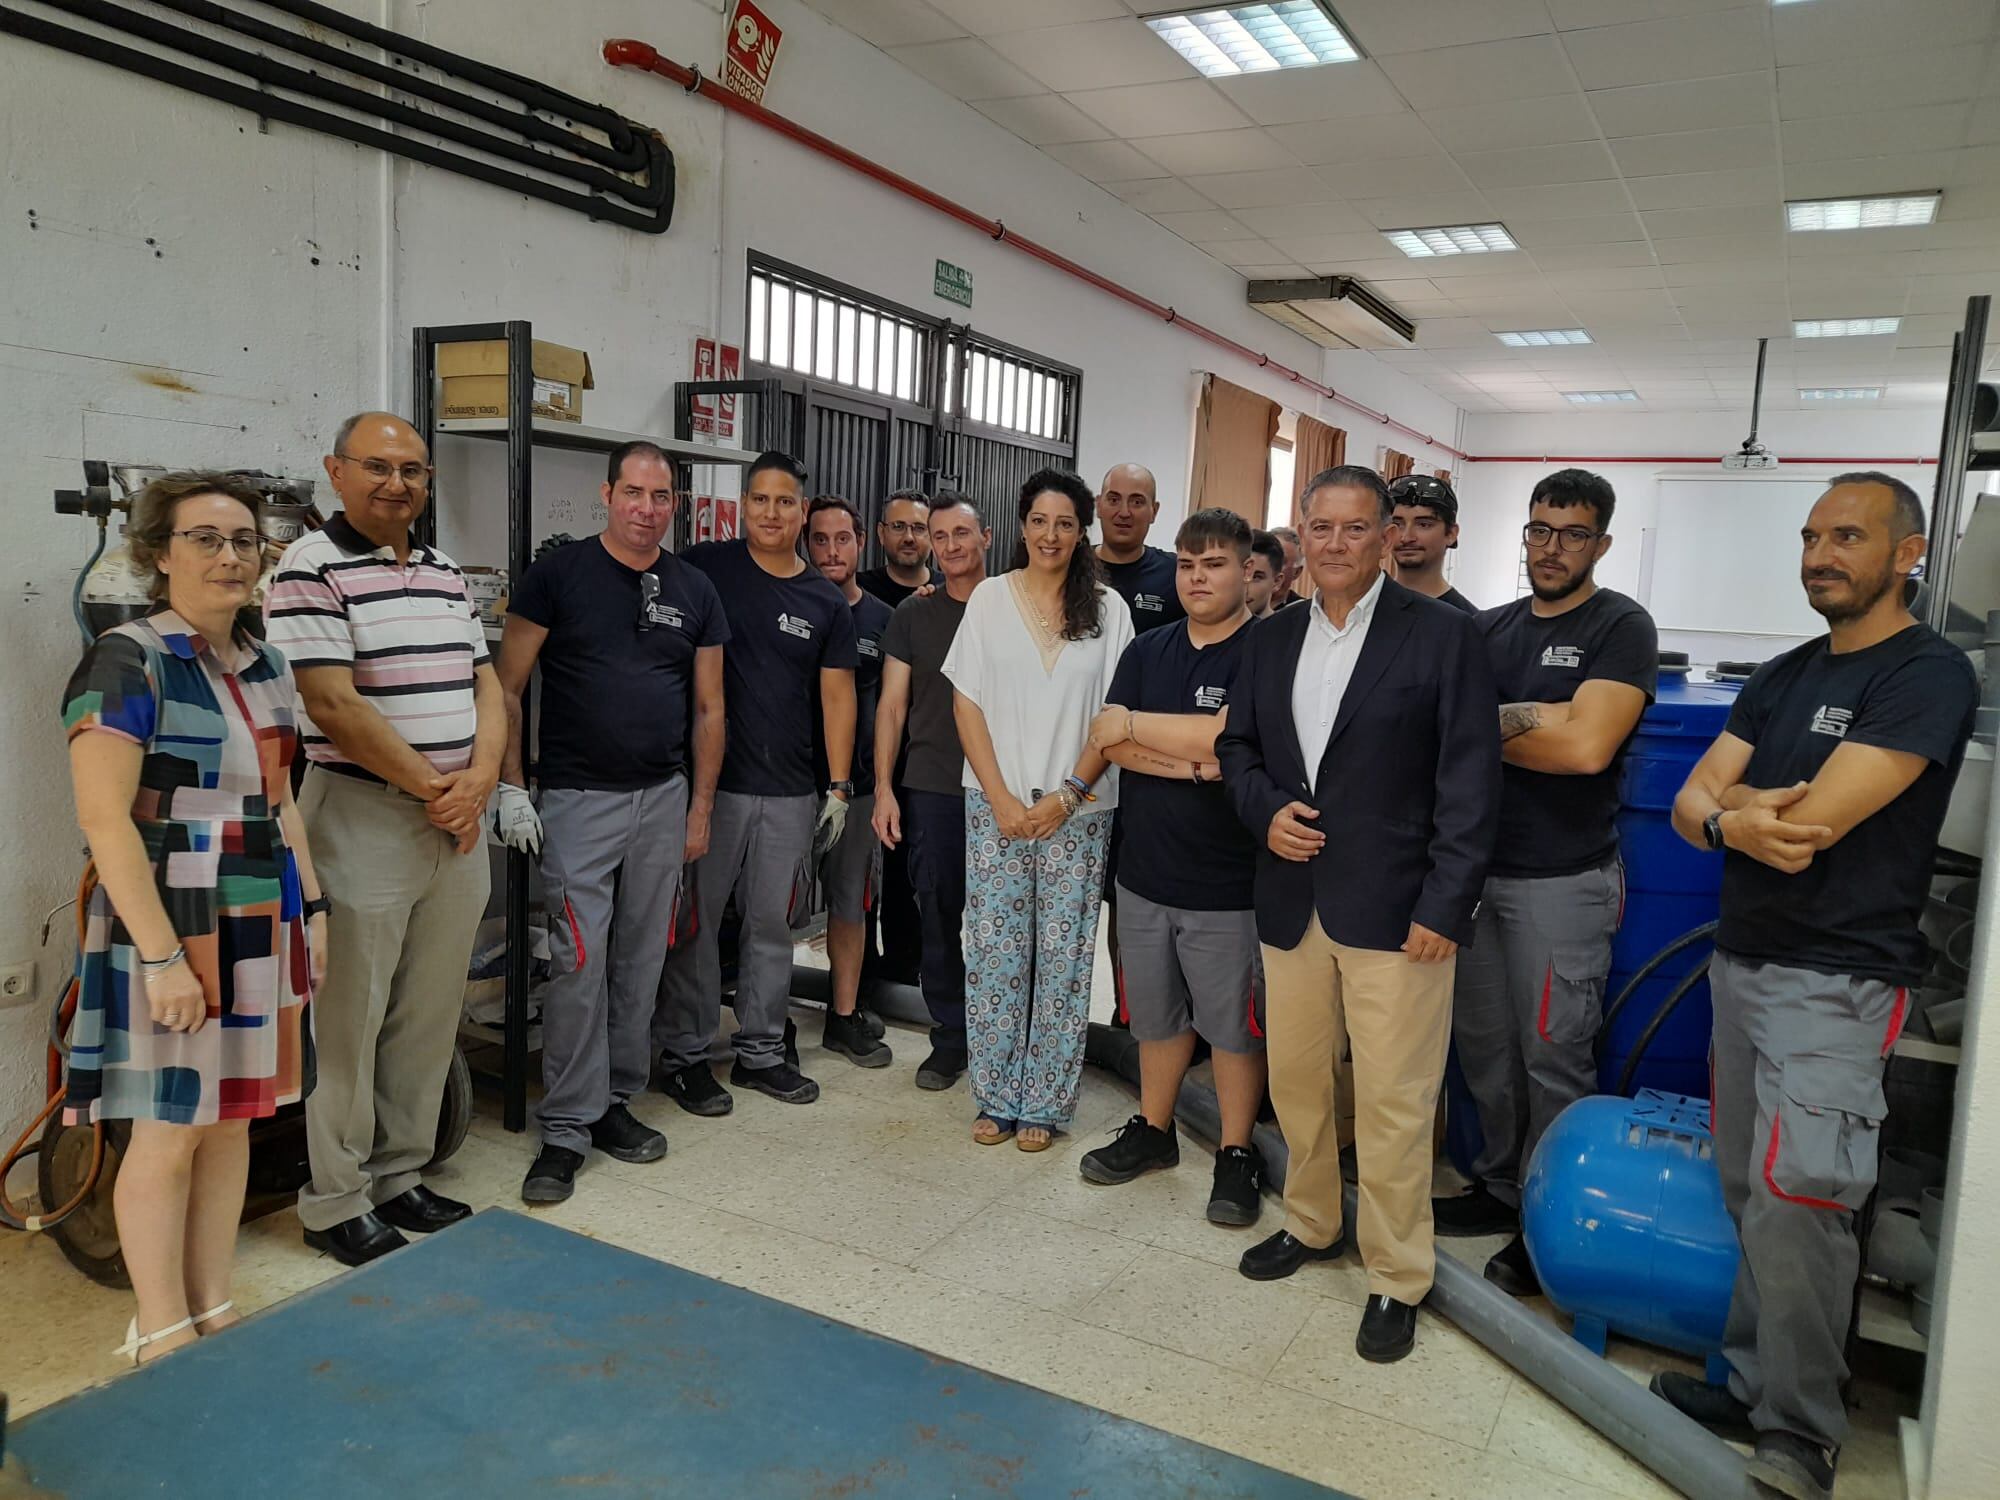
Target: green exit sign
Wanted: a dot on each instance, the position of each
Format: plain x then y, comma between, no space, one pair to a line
954,283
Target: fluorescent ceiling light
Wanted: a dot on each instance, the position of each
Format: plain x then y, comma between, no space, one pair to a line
1842,393
1599,398
1535,338
1450,239
1890,211
1232,39
1843,328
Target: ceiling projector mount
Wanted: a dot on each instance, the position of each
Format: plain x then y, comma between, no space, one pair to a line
1753,454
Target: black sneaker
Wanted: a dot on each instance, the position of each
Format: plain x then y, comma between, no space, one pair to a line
621,1136
877,1027
1711,1405
1512,1271
1237,1197
785,1083
1139,1147
553,1176
791,1042
1475,1213
1795,1467
695,1090
940,1070
849,1036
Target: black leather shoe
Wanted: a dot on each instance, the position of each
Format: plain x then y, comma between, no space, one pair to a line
1711,1405
1388,1330
421,1211
1512,1271
1472,1213
1280,1255
356,1241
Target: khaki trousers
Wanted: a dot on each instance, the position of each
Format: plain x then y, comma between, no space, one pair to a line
1321,997
406,907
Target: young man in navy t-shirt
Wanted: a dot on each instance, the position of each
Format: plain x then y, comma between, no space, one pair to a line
1188,958
791,655
1826,793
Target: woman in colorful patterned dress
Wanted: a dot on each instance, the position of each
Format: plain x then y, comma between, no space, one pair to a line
199,955
1030,667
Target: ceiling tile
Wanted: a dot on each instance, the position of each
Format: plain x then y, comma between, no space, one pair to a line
1874,174
1301,220
1893,80
1384,26
1547,121
1731,247
1484,73
1702,273
1159,108
1280,185
1609,57
1827,33
1565,257
1536,166
1419,210
1734,146
1369,138
1105,161
1984,129
966,69
1737,187
1558,200
1207,227
1333,91
1605,229
1690,104
889,23
1342,250
1159,195
985,17
1216,151
1093,55
1889,132
1042,119
1405,175
1251,252
1455,268
1671,223
1607,279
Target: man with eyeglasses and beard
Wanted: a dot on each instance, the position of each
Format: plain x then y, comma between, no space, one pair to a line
1575,665
1826,793
629,639
1426,529
904,533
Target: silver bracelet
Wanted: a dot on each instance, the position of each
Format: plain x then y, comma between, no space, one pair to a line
161,965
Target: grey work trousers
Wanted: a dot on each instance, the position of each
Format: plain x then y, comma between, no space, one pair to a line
1528,1006
611,862
1797,1116
754,848
406,907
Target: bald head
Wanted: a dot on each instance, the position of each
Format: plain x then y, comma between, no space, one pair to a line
381,470
1126,508
386,422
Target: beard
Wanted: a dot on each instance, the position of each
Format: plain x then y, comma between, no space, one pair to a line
1552,593
1863,595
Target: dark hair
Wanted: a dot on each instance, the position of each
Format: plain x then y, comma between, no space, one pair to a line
1353,476
955,500
1571,487
917,495
824,503
1214,527
772,458
1266,545
1083,596
638,447
1428,491
1909,517
149,528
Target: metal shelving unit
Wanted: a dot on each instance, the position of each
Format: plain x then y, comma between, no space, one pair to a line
523,432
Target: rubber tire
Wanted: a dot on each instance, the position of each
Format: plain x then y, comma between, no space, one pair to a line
89,1237
455,1113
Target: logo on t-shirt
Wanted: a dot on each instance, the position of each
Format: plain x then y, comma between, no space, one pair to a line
666,614
1211,697
1152,603
794,625
1563,656
867,645
1829,720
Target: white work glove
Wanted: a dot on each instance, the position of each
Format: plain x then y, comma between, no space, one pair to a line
832,823
515,821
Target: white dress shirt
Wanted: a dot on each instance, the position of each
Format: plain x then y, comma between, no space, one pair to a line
1326,665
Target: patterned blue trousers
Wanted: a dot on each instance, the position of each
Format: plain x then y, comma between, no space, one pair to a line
1031,940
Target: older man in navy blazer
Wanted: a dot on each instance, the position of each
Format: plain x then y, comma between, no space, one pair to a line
1363,752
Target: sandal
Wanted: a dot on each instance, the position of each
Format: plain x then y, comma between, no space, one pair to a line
214,1312
1035,1138
989,1131
135,1340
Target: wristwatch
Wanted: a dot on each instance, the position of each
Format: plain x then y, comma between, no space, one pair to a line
1711,829
845,788
319,906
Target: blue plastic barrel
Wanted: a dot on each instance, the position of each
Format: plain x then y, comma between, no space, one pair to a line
1670,888
1623,1217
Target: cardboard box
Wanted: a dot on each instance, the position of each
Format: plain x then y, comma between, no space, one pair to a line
475,380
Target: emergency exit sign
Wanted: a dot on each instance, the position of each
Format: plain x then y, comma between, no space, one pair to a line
954,283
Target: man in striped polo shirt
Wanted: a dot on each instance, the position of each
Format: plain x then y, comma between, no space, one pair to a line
404,723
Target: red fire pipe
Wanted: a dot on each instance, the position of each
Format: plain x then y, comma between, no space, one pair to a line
626,53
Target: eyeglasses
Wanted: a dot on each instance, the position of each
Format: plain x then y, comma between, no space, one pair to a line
209,542
907,528
1571,538
649,591
414,476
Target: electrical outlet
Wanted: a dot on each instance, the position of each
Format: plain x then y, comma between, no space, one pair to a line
17,985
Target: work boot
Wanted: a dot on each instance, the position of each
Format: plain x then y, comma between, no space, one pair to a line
1512,1271
1237,1197
785,1083
695,1090
849,1036
1711,1405
622,1137
941,1069
1139,1147
1795,1467
552,1178
1473,1213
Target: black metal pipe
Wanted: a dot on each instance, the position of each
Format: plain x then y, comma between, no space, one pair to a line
1668,1006
276,107
1756,396
1707,929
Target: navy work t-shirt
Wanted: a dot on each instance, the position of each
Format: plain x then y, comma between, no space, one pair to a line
877,581
1854,909
871,624
616,697
1147,587
1550,824
1458,601
782,633
1180,843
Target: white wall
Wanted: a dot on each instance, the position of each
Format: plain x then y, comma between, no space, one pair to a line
199,292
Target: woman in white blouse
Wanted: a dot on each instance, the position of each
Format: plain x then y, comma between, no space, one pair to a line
1030,667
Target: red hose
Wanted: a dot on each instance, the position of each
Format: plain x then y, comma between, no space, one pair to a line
26,1144
625,53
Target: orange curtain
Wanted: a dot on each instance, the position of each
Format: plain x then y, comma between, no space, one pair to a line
1395,465
1315,447
1233,432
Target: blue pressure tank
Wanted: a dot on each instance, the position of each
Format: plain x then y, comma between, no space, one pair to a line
1622,1212
1670,888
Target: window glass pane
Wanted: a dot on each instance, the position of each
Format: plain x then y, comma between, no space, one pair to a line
802,319
781,328
843,370
906,362
760,294
865,351
825,313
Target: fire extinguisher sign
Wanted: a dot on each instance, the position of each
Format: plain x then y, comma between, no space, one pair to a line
749,50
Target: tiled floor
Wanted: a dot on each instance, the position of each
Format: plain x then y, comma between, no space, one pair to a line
875,1207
